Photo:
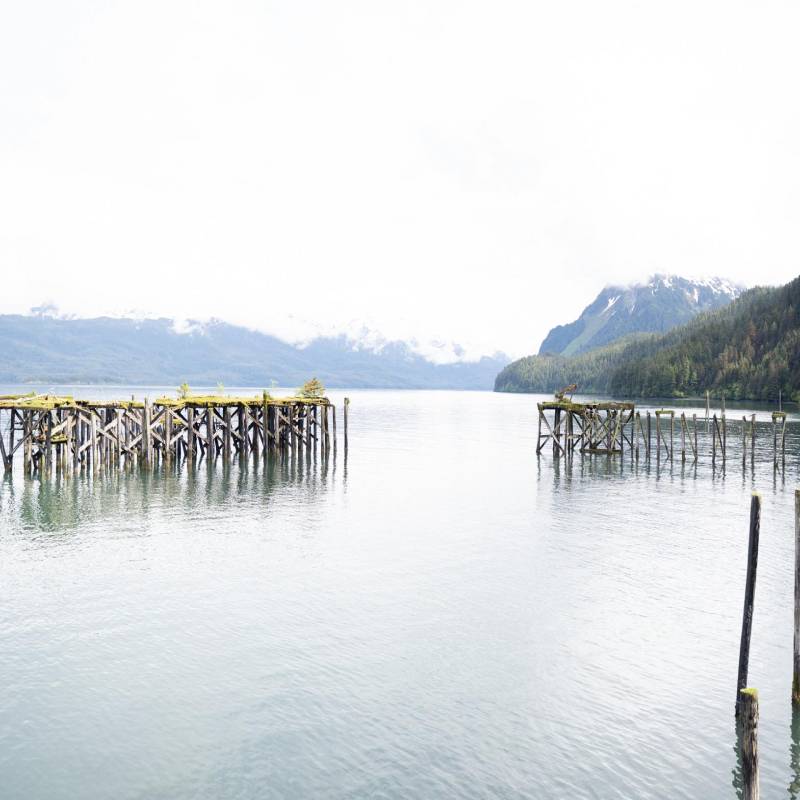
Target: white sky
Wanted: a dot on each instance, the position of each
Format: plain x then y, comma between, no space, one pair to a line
471,170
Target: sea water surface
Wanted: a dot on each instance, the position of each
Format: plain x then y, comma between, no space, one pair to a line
440,614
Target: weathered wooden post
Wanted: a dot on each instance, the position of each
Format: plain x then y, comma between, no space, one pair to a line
76,441
333,412
346,409
93,439
694,425
265,404
226,434
168,433
211,446
724,435
748,702
671,435
752,440
744,441
749,595
539,432
48,443
69,435
658,436
147,441
714,442
3,452
190,439
11,430
774,444
243,433
556,432
26,441
255,444
683,437
796,670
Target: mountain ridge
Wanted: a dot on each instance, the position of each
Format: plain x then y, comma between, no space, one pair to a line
746,350
50,349
658,305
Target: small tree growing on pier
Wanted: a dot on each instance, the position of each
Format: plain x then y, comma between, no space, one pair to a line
183,390
312,388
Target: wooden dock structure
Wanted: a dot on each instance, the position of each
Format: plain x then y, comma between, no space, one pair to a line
609,428
70,435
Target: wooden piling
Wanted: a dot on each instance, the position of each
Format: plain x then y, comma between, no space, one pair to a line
724,434
748,704
671,435
147,440
749,595
265,408
190,437
346,409
658,436
714,441
683,437
118,443
76,441
226,433
796,660
243,433
648,434
26,447
211,445
744,441
48,443
168,434
774,443
93,440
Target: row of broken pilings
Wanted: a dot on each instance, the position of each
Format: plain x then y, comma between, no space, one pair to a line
747,711
582,428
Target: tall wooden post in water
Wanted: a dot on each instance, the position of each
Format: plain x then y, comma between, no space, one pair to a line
749,595
796,670
346,412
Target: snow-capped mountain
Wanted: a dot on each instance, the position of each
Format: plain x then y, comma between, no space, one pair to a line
50,347
653,307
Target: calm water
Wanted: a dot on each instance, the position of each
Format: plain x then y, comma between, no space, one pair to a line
443,615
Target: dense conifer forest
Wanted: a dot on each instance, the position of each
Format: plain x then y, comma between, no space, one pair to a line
749,349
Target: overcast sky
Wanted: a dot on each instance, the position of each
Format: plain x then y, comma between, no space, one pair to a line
468,170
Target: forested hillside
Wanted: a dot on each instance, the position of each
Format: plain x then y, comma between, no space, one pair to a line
747,350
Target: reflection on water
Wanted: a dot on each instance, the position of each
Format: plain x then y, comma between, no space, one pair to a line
440,615
61,502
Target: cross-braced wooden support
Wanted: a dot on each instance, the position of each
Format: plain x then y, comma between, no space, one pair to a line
73,435
587,427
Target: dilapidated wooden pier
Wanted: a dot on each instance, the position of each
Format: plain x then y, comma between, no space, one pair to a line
609,428
70,435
